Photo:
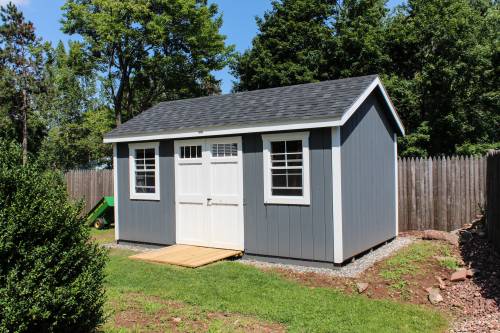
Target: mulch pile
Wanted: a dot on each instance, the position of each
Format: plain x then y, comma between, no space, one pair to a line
476,301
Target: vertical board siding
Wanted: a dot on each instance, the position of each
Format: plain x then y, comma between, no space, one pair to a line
441,193
300,232
446,206
368,179
493,198
147,221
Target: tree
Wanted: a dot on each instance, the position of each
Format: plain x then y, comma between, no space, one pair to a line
21,67
359,31
294,44
438,59
51,273
443,54
150,50
76,116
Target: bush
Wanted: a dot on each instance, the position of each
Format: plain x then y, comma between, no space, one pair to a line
51,274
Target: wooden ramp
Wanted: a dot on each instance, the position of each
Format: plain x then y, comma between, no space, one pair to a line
186,255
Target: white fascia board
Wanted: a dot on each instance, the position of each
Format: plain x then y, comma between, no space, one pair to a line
355,106
271,127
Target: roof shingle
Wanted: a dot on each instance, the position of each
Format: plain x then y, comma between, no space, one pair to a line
327,99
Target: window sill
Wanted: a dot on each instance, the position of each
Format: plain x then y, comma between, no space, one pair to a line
299,201
140,196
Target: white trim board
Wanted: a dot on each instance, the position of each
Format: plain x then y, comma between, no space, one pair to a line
144,196
396,180
338,246
269,127
115,192
305,198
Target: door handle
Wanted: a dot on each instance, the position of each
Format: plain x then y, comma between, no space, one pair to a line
209,201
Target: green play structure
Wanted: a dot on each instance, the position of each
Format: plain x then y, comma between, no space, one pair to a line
102,215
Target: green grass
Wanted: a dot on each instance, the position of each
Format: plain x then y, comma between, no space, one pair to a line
408,262
236,288
450,263
103,236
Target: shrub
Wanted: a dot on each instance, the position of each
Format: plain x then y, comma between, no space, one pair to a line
51,274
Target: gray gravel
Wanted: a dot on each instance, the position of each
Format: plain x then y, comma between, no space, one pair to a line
130,247
350,270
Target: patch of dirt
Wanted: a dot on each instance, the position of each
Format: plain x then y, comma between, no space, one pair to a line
379,287
153,314
473,303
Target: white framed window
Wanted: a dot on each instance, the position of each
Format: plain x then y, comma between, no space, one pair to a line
144,166
286,168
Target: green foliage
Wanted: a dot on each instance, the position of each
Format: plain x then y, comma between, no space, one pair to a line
78,144
416,143
149,50
237,288
292,47
51,275
438,60
477,149
22,56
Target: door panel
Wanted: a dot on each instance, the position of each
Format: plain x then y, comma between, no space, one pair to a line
209,192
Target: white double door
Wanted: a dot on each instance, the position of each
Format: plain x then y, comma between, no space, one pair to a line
209,192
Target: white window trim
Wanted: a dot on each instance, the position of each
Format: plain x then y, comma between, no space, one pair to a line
131,149
305,199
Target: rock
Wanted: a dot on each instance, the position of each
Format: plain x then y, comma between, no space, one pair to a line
434,296
362,286
176,320
442,285
441,235
471,272
459,275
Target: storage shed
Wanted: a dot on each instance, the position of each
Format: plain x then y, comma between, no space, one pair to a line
303,174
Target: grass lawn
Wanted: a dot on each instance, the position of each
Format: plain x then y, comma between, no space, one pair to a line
103,236
245,294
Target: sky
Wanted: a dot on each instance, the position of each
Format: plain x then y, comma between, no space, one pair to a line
238,16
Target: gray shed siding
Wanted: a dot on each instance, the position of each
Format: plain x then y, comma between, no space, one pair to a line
147,221
300,232
368,182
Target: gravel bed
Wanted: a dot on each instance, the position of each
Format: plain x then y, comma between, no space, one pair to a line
130,247
350,270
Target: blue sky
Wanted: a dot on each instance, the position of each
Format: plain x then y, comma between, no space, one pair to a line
239,23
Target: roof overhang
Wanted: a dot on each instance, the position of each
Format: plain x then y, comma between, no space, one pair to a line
266,127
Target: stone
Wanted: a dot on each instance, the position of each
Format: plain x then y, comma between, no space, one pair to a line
459,275
441,235
176,320
442,285
362,286
471,272
434,296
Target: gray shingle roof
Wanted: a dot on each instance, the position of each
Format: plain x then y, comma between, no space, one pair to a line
327,99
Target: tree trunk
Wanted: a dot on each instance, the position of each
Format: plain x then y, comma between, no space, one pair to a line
25,127
118,115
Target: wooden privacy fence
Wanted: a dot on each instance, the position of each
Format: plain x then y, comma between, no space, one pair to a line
89,185
440,193
434,193
493,197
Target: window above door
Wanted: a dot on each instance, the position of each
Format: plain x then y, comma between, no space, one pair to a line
286,168
144,173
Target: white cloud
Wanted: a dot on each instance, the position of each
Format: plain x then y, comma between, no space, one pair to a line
15,2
